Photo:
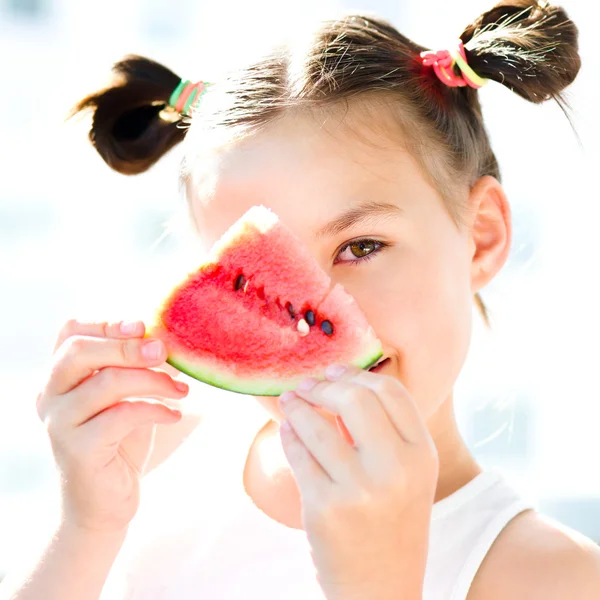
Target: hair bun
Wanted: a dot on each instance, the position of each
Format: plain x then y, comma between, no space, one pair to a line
129,129
529,47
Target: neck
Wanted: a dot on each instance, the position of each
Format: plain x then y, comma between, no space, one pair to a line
457,466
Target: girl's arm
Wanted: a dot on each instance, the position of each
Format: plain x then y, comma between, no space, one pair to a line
75,564
101,443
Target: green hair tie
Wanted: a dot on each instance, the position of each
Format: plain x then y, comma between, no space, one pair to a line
177,92
186,94
466,70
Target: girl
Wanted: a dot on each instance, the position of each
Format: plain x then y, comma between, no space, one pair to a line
373,150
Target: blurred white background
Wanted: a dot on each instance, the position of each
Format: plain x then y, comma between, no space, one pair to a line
77,240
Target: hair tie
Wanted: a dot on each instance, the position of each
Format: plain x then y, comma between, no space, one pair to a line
443,62
186,94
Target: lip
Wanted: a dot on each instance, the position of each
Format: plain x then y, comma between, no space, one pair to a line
379,366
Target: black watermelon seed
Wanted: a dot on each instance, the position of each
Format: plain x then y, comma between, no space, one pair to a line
239,282
327,327
309,315
291,310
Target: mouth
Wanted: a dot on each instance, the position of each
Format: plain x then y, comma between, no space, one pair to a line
379,365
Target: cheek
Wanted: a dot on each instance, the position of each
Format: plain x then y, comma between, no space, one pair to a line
422,313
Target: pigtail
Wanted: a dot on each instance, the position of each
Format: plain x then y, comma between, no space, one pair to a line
133,125
530,47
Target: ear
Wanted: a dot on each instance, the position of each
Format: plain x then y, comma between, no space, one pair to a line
491,230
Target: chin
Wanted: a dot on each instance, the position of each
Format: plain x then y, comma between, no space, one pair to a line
269,403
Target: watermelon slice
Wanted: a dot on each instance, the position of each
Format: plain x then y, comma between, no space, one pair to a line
260,314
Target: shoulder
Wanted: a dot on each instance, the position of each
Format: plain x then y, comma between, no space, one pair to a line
168,437
535,557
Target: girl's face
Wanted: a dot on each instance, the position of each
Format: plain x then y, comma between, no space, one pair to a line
373,223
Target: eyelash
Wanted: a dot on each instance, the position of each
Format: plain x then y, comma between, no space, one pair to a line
379,246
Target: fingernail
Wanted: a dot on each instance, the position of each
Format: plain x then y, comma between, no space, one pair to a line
307,384
285,426
152,350
181,386
286,397
175,412
335,371
128,327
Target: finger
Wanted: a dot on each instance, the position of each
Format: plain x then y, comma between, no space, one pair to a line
321,438
109,386
170,370
358,406
81,356
396,402
117,422
101,329
309,475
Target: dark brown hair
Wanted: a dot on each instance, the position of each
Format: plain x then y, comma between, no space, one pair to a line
530,47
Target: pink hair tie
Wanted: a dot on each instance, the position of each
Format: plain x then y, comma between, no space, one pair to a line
443,62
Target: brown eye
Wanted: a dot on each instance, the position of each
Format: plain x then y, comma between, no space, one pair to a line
359,251
362,248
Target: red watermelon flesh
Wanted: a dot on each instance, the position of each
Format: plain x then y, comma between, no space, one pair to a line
250,339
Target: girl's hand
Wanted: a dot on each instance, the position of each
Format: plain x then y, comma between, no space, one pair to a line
100,442
366,508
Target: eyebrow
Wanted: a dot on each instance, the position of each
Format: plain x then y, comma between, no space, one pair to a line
356,215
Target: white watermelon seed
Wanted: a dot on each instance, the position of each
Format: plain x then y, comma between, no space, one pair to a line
303,327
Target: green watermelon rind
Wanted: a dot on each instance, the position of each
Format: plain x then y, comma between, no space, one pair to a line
262,387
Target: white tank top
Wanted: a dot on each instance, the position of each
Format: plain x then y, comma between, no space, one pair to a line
199,536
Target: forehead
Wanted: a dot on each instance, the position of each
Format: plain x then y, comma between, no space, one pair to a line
306,168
